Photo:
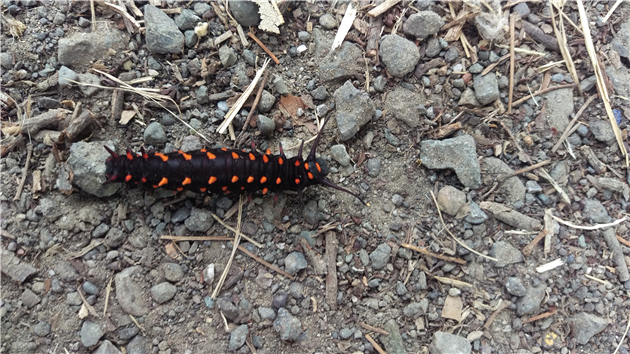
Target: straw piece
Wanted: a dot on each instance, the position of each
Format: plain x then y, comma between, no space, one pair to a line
382,8
344,27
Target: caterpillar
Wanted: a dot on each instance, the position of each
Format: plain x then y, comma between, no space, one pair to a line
219,170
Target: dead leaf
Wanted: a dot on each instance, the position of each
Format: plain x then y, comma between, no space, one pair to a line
291,104
83,312
126,116
270,16
311,127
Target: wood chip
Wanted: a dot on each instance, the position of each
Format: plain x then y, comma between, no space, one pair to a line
453,308
331,262
382,8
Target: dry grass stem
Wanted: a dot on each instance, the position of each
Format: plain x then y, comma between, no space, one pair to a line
569,129
230,228
625,333
541,92
605,282
380,9
543,173
511,85
561,36
454,282
590,227
108,291
196,238
431,254
374,344
373,329
265,263
237,240
549,266
264,47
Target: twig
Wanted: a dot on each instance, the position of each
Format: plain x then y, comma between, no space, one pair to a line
237,240
6,234
524,170
503,306
541,316
93,16
605,282
265,263
234,230
565,197
107,292
549,266
568,130
137,324
511,87
331,264
541,92
562,43
591,227
610,12
256,100
628,326
373,329
86,304
20,188
374,344
264,47
453,236
196,238
527,250
431,254
382,8
623,240
454,282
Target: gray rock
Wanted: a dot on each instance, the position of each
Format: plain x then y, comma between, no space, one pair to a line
90,333
129,292
476,215
328,21
559,108
280,86
87,161
486,88
294,262
340,154
79,49
320,93
266,102
603,131
403,104
585,325
73,299
245,13
162,34
223,202
41,329
227,55
380,256
108,348
620,78
374,167
66,74
451,200
200,220
451,54
237,337
154,134
379,83
310,213
530,302
512,189
446,343
47,103
394,342
533,187
468,98
354,110
288,327
29,298
346,333
399,54
342,64
265,125
84,22
191,142
172,272
187,20
90,288
59,19
401,289
522,10
163,292
588,83
266,313
90,79
6,60
433,48
228,308
596,212
416,308
423,24
505,253
515,287
114,238
621,42
397,199
458,154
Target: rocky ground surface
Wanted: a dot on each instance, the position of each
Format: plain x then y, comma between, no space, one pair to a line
85,267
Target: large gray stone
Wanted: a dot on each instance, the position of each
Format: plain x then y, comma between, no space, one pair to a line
458,154
399,54
87,161
162,34
342,64
354,110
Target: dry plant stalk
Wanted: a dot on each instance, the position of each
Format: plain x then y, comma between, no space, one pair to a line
561,36
237,240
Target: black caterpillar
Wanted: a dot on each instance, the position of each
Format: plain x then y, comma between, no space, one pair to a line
219,170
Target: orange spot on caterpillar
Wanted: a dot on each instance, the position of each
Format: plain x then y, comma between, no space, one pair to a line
143,180
265,159
310,175
235,155
306,166
186,156
265,190
179,189
223,149
211,156
212,180
252,157
202,190
128,178
263,179
268,152
144,155
162,156
319,168
187,180
278,180
280,161
163,181
203,150
250,179
297,181
297,163
224,188
243,188
234,179
129,155
155,186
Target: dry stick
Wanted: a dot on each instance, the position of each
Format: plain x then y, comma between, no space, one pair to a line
233,230
264,47
591,227
453,236
564,48
29,152
543,173
511,88
237,239
503,306
107,292
623,240
568,130
524,170
541,316
431,254
373,329
628,326
493,65
541,92
86,304
256,100
382,8
265,263
374,344
527,250
196,238
331,264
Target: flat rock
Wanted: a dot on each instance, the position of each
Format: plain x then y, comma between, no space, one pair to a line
78,49
108,348
399,54
559,108
505,253
512,189
129,292
163,292
91,332
289,328
87,161
458,154
238,337
354,110
603,131
380,256
342,64
486,88
12,266
620,79
403,104
423,24
585,326
446,343
162,34
530,302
